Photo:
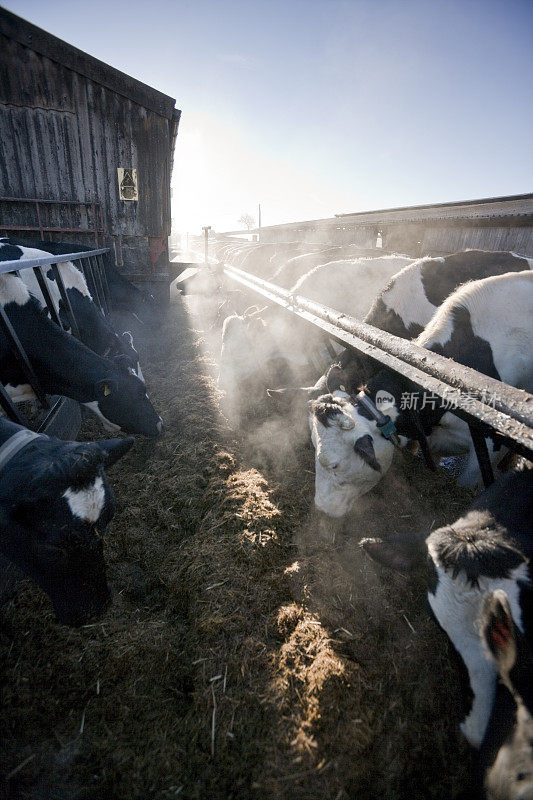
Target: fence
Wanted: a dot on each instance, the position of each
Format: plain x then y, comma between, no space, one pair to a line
90,262
508,415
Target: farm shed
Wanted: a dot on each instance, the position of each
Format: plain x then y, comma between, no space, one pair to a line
494,223
85,152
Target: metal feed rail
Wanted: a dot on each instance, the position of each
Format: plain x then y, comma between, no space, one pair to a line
91,265
511,416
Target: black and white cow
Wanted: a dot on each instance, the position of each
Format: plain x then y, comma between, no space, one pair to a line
66,366
409,301
125,297
486,325
55,503
95,331
249,342
506,756
292,269
488,548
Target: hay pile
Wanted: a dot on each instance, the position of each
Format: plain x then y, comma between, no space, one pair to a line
243,656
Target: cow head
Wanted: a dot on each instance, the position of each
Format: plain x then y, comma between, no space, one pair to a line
122,404
351,454
246,347
55,503
96,332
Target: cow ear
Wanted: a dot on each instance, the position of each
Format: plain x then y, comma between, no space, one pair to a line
336,379
106,387
393,555
498,630
75,466
114,449
364,447
128,337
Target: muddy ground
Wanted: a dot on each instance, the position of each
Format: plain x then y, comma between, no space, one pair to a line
244,656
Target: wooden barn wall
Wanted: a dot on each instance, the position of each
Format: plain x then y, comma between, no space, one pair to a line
63,137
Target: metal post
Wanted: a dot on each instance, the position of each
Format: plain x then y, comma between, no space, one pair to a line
259,216
206,230
482,453
103,277
54,312
20,354
66,302
9,407
99,284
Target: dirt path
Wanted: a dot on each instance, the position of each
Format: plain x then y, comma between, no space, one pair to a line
243,657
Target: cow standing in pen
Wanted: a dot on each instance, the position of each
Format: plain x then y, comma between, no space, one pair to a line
65,366
488,549
93,328
256,346
407,304
486,325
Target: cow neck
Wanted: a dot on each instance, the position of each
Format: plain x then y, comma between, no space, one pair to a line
16,442
67,366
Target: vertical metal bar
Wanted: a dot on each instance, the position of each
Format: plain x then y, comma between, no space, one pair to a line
93,286
482,453
421,438
100,262
9,407
95,221
66,302
85,267
39,223
20,354
48,299
98,279
206,230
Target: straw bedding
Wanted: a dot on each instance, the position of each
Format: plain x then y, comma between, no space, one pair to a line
245,655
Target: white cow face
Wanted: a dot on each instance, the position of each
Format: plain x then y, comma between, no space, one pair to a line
351,454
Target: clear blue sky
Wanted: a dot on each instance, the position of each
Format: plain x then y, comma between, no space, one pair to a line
316,107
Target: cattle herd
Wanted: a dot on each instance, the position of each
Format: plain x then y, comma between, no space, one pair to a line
55,498
475,307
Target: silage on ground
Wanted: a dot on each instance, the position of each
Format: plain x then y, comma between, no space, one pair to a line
243,657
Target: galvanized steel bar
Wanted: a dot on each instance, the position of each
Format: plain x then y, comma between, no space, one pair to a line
84,265
20,354
98,279
41,280
13,266
100,262
66,302
482,453
9,407
512,413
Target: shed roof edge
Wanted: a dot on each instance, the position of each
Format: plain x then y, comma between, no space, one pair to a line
50,46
